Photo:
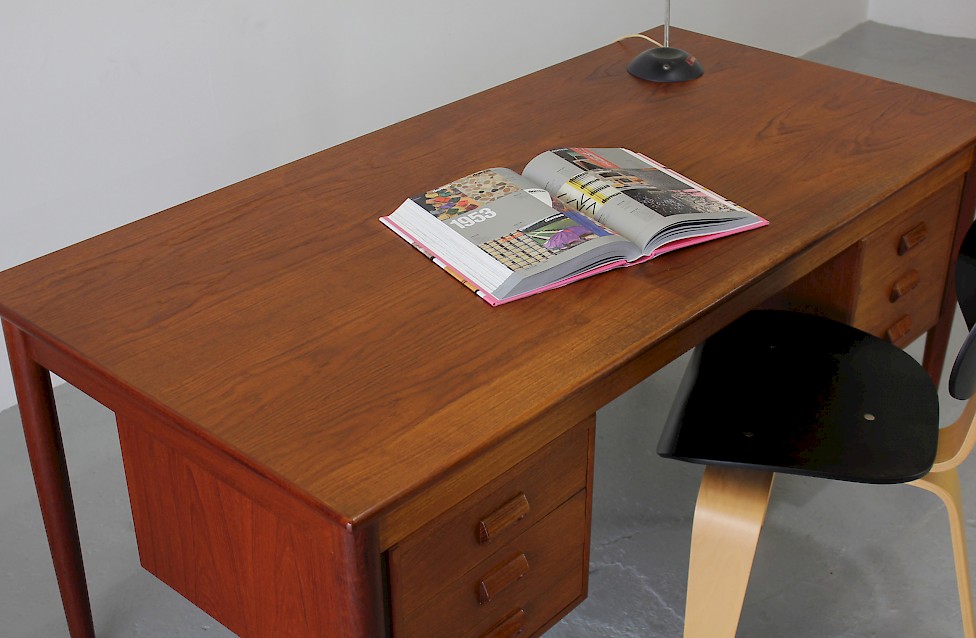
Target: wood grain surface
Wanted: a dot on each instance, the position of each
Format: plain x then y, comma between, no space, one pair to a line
260,565
279,322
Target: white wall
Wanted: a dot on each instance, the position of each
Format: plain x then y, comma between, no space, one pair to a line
115,109
942,17
793,27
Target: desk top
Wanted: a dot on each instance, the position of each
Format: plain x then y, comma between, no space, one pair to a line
279,321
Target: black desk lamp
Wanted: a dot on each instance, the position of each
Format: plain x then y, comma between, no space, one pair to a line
665,63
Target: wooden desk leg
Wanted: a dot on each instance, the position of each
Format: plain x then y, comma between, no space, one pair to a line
40,420
936,347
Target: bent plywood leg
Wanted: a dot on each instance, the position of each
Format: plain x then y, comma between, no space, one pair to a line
728,518
946,486
36,401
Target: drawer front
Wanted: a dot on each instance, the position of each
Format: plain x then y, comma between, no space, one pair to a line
483,523
903,270
517,590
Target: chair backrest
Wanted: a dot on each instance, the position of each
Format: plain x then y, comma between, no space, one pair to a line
957,440
966,277
962,380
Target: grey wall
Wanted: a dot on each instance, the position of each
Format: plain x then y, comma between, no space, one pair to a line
115,109
941,17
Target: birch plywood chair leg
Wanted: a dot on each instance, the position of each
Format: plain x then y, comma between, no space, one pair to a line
945,485
728,518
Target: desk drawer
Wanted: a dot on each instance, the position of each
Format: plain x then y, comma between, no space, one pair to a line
515,591
903,270
483,523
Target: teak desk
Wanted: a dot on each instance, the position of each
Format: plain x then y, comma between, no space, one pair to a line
325,435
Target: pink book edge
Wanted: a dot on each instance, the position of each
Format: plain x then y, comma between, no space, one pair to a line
495,301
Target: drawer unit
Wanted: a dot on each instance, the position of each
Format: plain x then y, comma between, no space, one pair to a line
480,536
903,266
516,590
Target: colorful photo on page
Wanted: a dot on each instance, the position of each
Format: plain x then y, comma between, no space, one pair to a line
586,192
446,202
585,158
560,232
538,242
486,186
593,226
466,194
664,194
641,178
517,250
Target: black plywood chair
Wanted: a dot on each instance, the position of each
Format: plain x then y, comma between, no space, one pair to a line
780,391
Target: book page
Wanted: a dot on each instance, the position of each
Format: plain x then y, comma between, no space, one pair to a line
637,197
505,234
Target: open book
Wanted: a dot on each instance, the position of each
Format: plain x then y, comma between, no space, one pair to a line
573,213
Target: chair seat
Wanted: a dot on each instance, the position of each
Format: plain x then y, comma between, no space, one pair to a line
801,394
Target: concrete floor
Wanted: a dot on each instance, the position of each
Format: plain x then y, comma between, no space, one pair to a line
835,559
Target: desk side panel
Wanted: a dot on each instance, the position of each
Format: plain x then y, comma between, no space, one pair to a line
258,568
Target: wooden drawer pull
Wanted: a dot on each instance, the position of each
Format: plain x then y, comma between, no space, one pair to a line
501,577
903,285
899,329
912,238
504,517
510,627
